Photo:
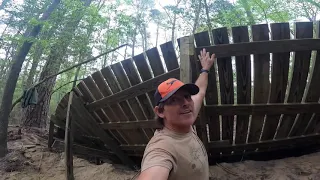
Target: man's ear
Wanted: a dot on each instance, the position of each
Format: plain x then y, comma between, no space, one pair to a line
158,111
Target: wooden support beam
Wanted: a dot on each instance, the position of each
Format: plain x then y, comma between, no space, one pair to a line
69,141
262,47
225,146
133,91
290,141
88,121
50,136
186,50
134,124
262,109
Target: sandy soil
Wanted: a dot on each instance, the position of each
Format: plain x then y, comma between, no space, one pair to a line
29,160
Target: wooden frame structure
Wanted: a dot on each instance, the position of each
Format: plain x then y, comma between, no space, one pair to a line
264,93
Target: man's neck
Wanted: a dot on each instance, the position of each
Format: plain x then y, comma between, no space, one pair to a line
180,130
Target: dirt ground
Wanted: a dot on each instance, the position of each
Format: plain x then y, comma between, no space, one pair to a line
30,160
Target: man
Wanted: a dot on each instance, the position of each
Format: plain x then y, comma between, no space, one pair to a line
175,151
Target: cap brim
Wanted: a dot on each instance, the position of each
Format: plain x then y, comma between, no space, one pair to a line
191,88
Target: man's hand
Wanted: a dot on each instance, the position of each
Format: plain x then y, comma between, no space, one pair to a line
205,59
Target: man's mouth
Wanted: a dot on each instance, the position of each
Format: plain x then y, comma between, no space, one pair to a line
186,112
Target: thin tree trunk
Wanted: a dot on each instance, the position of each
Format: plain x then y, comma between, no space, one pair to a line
208,20
13,77
157,36
37,115
173,28
196,19
248,11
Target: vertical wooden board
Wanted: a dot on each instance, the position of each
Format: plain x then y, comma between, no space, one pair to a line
243,71
313,93
156,66
202,39
314,126
220,36
299,77
88,96
279,78
169,55
117,108
137,135
124,84
145,74
261,80
143,99
194,63
84,90
155,61
105,90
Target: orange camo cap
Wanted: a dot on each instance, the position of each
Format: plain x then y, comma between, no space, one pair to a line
167,88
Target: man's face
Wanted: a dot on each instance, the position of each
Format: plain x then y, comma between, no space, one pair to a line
178,109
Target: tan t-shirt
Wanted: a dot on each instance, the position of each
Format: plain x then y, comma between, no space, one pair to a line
183,154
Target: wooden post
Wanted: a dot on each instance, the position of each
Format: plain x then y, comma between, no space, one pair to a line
50,136
187,55
69,141
186,50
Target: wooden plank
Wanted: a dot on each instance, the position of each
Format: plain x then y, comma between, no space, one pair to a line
262,109
136,90
69,141
143,100
145,74
243,71
149,123
116,107
50,135
156,66
220,36
279,78
137,135
106,91
299,77
155,61
222,146
78,108
262,47
261,80
169,55
202,39
269,143
131,124
313,94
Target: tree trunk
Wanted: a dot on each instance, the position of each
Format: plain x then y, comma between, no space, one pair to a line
37,115
208,20
173,29
248,11
13,77
157,36
196,19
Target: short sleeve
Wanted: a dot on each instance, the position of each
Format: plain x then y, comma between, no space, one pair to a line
157,157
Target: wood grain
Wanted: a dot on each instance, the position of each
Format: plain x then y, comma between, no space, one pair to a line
279,78
261,65
243,71
220,36
299,77
262,47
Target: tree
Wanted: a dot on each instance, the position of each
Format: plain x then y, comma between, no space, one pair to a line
37,115
13,77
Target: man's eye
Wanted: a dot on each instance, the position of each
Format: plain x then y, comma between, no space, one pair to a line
188,96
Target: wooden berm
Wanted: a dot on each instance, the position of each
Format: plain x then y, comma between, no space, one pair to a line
262,95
